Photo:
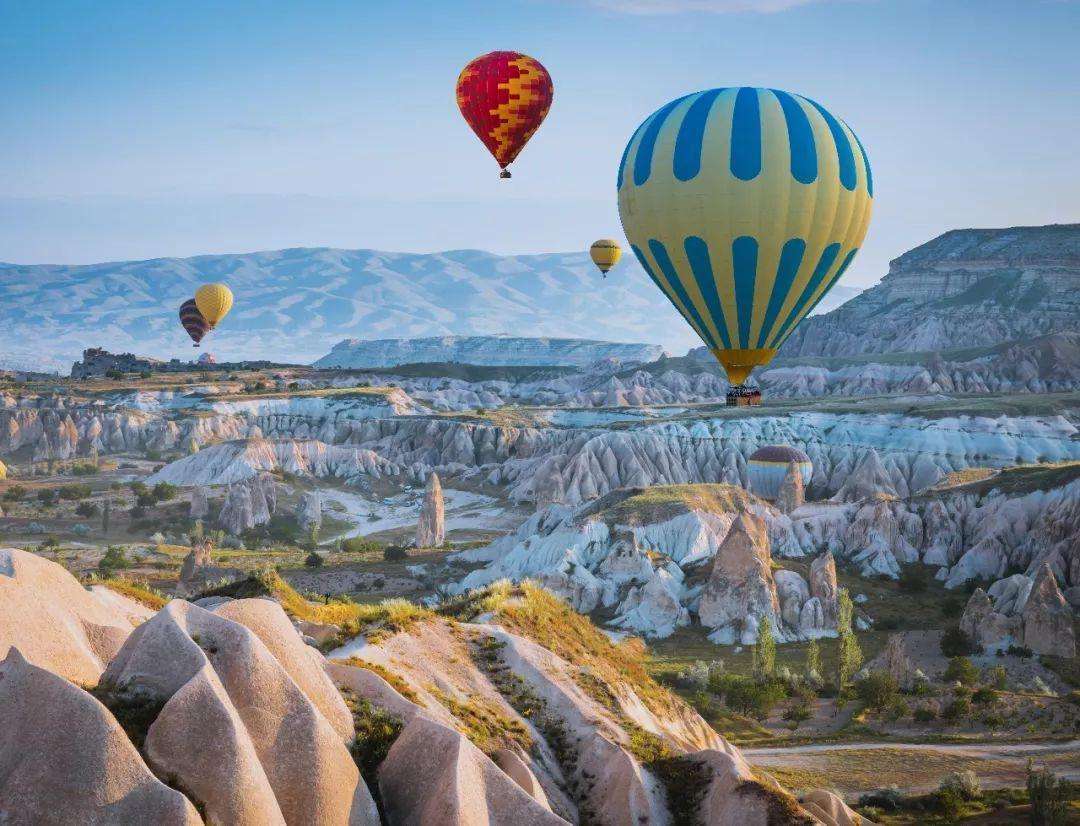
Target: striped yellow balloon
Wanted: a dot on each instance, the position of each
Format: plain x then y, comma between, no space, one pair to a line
3,471
214,302
745,206
605,253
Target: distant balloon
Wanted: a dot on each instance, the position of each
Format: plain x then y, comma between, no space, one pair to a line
193,321
504,97
605,253
744,206
3,471
214,302
767,467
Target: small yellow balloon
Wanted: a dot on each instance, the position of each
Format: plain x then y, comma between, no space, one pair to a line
3,471
605,253
214,302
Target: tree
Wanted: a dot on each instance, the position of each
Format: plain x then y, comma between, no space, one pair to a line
1049,797
764,654
313,535
313,560
848,654
962,670
812,669
106,516
197,532
877,690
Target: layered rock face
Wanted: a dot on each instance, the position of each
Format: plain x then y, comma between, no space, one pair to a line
1022,610
431,529
484,350
618,554
962,289
248,504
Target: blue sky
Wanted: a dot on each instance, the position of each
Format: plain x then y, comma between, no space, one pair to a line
134,129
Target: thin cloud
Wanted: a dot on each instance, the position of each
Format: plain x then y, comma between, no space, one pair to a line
706,6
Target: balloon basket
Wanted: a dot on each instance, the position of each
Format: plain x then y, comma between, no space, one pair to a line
505,173
741,395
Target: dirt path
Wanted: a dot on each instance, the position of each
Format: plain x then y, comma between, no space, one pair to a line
858,767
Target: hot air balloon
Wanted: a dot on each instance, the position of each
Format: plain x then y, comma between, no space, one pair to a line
193,321
214,302
605,253
3,471
767,467
744,206
504,97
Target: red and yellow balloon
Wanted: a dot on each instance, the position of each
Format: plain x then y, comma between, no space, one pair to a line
504,97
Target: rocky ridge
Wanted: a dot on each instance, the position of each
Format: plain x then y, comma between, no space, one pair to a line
207,694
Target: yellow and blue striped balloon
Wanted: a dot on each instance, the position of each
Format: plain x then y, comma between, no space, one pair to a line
745,206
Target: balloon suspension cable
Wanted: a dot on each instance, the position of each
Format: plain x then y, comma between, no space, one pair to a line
505,173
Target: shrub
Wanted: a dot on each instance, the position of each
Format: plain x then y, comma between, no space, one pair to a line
73,492
952,607
163,491
1019,651
314,560
84,469
115,559
137,487
964,783
15,493
957,709
46,497
889,799
984,696
955,643
950,803
877,690
925,714
1049,796
87,509
360,545
395,553
745,696
962,670
145,500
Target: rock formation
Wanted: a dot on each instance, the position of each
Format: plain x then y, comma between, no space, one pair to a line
237,512
196,569
965,288
824,589
897,662
227,704
1048,619
200,507
792,494
310,511
1019,610
431,529
65,759
740,591
56,623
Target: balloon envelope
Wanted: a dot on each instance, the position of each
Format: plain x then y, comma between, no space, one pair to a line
193,321
214,302
504,97
605,253
745,206
767,467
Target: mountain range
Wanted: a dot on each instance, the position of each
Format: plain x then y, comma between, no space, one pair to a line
972,287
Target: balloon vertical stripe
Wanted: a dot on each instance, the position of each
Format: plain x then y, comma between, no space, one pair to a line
801,139
866,162
746,136
676,287
790,260
843,147
824,265
687,161
744,258
643,161
697,253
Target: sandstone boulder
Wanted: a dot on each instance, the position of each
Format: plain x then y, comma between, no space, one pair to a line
55,622
64,759
792,494
824,588
228,706
459,785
